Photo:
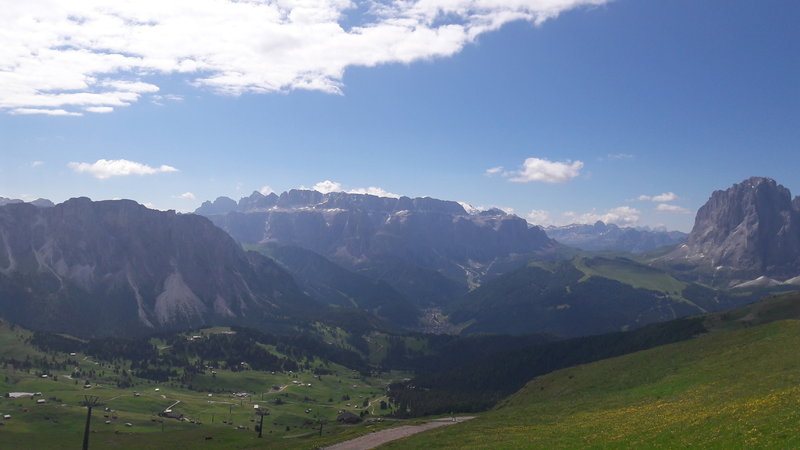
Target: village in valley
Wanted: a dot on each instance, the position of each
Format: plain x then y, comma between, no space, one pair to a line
49,391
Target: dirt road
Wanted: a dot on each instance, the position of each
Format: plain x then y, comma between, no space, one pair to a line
377,438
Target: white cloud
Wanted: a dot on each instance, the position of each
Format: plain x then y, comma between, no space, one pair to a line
37,163
44,111
187,196
376,191
56,55
539,217
536,169
99,109
621,215
663,207
665,197
107,168
266,190
160,99
327,186
493,171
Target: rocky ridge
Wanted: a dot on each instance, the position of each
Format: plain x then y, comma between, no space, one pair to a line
113,267
369,234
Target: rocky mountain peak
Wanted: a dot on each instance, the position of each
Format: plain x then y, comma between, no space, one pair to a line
752,225
222,205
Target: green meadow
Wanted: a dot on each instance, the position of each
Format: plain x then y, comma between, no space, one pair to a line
219,411
730,389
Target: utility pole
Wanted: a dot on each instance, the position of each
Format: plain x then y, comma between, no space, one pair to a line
261,412
89,402
321,423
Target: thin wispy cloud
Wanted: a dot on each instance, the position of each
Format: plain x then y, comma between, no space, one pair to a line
493,171
328,186
543,170
187,196
44,111
62,57
37,163
107,168
660,198
664,207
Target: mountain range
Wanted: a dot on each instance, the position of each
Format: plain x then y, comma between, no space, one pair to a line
603,236
116,267
440,250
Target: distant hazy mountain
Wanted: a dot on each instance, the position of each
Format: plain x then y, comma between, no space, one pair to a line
40,202
748,230
116,267
602,236
416,245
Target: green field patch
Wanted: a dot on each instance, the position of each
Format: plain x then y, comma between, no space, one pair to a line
724,390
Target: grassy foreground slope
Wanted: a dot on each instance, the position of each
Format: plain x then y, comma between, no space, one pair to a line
730,389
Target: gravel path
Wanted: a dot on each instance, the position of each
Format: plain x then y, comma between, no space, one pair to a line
377,438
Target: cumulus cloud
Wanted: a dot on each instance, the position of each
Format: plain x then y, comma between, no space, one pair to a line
99,109
37,163
539,217
664,207
58,55
327,186
107,168
266,190
187,196
621,215
536,169
660,198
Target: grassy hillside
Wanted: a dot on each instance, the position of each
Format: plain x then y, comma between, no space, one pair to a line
728,389
587,295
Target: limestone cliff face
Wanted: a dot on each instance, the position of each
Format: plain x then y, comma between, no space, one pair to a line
356,230
114,267
752,226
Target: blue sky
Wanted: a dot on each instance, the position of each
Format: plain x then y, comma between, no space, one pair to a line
627,111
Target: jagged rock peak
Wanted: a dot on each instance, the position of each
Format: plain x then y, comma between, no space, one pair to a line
752,225
304,198
222,205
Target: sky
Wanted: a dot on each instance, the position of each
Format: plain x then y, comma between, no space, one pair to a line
561,111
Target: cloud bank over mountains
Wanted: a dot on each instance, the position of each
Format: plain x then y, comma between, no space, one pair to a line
70,57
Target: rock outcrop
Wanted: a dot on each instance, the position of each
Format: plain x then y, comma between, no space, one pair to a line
115,267
752,228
